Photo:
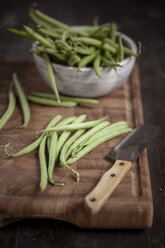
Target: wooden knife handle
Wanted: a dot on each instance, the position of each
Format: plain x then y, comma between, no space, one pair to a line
107,184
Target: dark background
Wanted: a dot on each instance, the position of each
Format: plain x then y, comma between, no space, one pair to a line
144,21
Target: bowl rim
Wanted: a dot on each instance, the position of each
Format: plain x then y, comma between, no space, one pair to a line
126,38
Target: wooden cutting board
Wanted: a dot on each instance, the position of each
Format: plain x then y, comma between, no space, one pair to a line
130,206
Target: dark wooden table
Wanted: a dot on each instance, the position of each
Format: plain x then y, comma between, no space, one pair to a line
144,21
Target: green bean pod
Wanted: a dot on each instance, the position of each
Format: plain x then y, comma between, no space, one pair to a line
84,51
50,20
48,32
50,102
88,41
65,98
96,65
38,21
120,54
52,155
10,109
19,33
37,37
23,100
113,31
43,164
72,127
87,59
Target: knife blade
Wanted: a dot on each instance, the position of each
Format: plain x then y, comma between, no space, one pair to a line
125,153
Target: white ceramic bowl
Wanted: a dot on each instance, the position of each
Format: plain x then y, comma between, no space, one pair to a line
88,84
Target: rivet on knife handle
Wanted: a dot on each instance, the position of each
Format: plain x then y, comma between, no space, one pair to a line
107,184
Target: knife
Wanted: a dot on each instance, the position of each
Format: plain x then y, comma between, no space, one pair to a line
125,153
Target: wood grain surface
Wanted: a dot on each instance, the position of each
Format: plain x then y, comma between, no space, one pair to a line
130,205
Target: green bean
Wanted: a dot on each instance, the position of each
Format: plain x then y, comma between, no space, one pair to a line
10,109
51,76
37,142
52,155
48,143
66,134
87,59
19,33
48,32
84,51
37,37
65,148
96,65
80,32
120,50
65,98
113,31
50,102
88,41
23,100
97,142
50,20
43,165
38,21
72,127
87,135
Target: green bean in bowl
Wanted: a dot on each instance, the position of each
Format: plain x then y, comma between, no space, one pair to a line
83,61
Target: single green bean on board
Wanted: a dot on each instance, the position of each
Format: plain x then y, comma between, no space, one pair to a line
72,127
50,102
65,98
43,164
10,109
23,100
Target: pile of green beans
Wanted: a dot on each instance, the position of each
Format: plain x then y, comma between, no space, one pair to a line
66,141
95,46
